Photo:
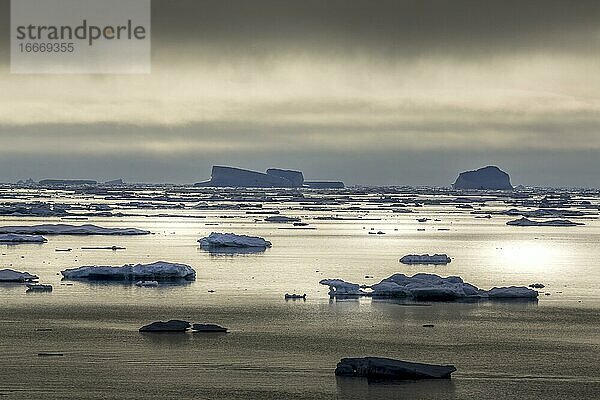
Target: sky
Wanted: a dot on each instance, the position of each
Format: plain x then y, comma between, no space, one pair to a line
381,92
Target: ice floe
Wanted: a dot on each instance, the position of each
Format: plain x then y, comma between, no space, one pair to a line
208,328
387,368
425,259
281,219
555,222
38,287
64,229
173,325
426,287
216,239
158,271
340,287
19,238
10,275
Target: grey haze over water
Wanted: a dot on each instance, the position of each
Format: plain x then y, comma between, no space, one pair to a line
379,92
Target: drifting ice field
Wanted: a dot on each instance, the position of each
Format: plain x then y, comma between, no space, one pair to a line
289,349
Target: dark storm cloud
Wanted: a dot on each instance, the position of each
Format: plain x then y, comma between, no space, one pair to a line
395,27
401,27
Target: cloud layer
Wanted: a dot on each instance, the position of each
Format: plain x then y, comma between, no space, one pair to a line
404,84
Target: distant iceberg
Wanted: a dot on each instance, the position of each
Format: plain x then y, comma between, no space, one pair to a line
216,239
158,271
429,287
63,229
486,178
18,238
555,222
425,259
224,176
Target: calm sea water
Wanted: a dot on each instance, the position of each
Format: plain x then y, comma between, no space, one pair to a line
289,349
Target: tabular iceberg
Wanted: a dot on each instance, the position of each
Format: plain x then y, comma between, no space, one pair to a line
223,176
158,271
63,229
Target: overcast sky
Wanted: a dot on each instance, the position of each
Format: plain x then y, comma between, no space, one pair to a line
366,91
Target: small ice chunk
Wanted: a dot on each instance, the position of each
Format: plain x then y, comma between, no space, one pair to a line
146,283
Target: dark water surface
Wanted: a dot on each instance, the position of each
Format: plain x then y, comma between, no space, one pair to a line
289,350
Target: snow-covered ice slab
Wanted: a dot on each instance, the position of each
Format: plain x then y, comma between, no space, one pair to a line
429,287
18,238
64,229
216,239
425,259
511,292
555,222
10,275
158,271
338,287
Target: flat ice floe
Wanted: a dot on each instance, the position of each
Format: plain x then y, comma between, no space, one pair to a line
10,275
427,287
64,229
216,239
387,368
425,259
555,222
18,238
281,219
158,271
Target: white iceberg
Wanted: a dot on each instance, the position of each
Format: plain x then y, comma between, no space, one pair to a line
216,239
158,271
425,259
64,229
555,222
10,275
427,287
338,287
18,238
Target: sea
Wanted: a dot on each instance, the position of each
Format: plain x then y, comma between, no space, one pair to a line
288,349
